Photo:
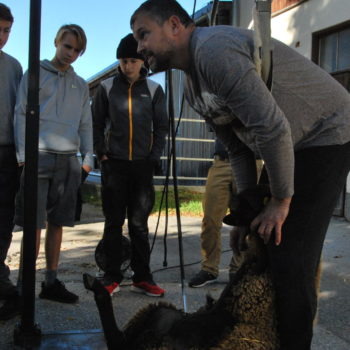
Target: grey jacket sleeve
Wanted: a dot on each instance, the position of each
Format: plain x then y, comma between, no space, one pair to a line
265,129
100,117
242,159
160,124
20,119
85,131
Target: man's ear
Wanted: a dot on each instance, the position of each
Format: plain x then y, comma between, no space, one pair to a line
175,24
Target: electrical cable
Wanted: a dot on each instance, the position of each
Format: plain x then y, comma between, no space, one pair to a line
171,159
176,266
188,264
165,191
176,194
194,8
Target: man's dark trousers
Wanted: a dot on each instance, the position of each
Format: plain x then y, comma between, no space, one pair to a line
127,190
8,188
320,174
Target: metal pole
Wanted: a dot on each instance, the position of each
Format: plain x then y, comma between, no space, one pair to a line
27,332
235,13
214,12
176,194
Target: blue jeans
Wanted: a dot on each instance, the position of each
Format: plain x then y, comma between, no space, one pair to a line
320,175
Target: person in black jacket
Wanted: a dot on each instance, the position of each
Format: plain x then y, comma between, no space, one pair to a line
130,125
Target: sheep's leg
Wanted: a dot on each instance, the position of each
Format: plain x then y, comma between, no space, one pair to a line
227,292
114,337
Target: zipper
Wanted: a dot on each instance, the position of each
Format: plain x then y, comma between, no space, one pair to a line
130,121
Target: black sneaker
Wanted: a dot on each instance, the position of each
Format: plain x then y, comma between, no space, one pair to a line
12,307
57,292
201,279
7,289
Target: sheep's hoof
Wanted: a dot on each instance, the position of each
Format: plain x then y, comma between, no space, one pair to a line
93,284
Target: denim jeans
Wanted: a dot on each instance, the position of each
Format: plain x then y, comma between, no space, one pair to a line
127,190
320,175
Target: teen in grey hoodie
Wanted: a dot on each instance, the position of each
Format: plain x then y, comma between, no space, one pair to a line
65,129
65,113
301,130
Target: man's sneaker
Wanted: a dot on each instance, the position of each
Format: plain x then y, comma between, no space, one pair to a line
57,292
11,308
111,286
147,287
201,279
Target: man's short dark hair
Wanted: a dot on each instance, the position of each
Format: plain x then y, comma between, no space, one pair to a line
5,13
161,10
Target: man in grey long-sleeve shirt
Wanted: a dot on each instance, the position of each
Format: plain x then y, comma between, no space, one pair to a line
10,76
301,130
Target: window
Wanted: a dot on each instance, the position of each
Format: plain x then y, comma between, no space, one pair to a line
334,51
280,5
331,50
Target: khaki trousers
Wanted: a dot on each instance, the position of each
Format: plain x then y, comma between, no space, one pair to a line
218,192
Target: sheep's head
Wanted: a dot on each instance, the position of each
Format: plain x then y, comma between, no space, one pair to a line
245,207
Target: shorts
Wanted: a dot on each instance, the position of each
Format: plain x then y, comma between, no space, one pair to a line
59,177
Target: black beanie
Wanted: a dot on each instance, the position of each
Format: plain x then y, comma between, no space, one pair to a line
128,48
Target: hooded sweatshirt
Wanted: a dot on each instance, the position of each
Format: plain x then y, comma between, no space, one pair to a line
65,114
10,77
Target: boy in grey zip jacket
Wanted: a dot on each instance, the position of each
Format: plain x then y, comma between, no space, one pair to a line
130,125
65,129
10,76
301,130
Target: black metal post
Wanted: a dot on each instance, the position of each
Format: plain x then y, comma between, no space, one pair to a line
27,332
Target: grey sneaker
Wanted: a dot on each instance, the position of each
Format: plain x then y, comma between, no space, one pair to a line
201,279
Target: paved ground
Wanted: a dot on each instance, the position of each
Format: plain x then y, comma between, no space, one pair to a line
332,332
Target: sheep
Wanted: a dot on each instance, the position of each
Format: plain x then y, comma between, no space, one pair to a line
243,318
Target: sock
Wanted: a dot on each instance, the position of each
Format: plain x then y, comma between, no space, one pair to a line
19,282
50,277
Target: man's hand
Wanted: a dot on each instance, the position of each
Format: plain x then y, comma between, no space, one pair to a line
87,168
104,157
272,218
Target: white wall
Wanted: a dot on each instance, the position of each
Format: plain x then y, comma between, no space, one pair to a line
298,23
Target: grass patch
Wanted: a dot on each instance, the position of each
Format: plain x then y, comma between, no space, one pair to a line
190,203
